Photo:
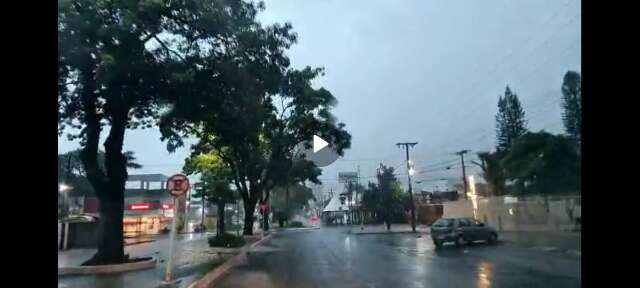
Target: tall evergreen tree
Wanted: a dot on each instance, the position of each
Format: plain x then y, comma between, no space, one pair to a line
572,105
510,121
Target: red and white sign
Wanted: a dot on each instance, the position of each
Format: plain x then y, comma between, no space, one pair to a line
263,205
139,206
177,185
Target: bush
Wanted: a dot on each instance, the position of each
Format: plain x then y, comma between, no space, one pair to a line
296,224
226,240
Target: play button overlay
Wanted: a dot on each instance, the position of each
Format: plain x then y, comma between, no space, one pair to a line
319,151
318,143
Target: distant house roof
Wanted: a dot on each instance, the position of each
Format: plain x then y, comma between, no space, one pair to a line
335,205
148,177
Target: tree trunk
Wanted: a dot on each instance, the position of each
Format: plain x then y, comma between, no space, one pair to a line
110,234
110,192
202,229
249,209
221,228
286,201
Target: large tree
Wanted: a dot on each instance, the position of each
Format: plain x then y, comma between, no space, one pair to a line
385,199
215,183
572,105
120,62
510,120
258,139
543,163
290,200
264,109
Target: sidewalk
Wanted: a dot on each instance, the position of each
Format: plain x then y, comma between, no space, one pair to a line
194,258
551,241
382,229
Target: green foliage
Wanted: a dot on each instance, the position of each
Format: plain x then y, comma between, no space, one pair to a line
543,163
215,178
510,121
251,109
299,197
123,63
493,172
353,188
572,105
226,240
385,199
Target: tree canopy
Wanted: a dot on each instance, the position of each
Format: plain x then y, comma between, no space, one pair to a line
510,121
385,199
299,197
215,183
122,64
262,114
493,172
543,163
215,178
572,105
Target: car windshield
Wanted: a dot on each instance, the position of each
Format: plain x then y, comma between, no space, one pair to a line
443,223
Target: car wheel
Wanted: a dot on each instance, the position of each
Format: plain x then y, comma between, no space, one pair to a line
437,243
493,238
460,241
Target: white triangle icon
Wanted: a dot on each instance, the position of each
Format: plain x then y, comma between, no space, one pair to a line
318,143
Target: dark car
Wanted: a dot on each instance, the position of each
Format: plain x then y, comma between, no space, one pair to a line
461,231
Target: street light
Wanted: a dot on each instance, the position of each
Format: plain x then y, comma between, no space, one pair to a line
63,187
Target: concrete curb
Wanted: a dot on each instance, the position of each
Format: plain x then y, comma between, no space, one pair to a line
106,269
298,229
138,242
392,232
216,273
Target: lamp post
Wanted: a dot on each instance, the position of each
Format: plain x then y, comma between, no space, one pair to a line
63,188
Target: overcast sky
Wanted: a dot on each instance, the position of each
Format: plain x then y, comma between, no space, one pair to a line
418,71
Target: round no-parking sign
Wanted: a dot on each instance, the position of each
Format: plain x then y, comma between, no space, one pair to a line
177,185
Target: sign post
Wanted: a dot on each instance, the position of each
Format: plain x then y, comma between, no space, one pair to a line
177,185
263,211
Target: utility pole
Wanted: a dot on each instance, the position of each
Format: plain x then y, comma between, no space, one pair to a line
360,210
203,187
67,205
381,183
464,173
406,146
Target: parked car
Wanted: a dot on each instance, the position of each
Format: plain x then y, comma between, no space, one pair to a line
461,231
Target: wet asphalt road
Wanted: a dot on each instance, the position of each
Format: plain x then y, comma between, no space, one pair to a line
330,257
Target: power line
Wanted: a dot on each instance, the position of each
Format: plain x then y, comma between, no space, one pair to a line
467,99
484,129
512,51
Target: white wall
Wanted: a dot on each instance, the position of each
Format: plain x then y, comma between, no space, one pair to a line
528,214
